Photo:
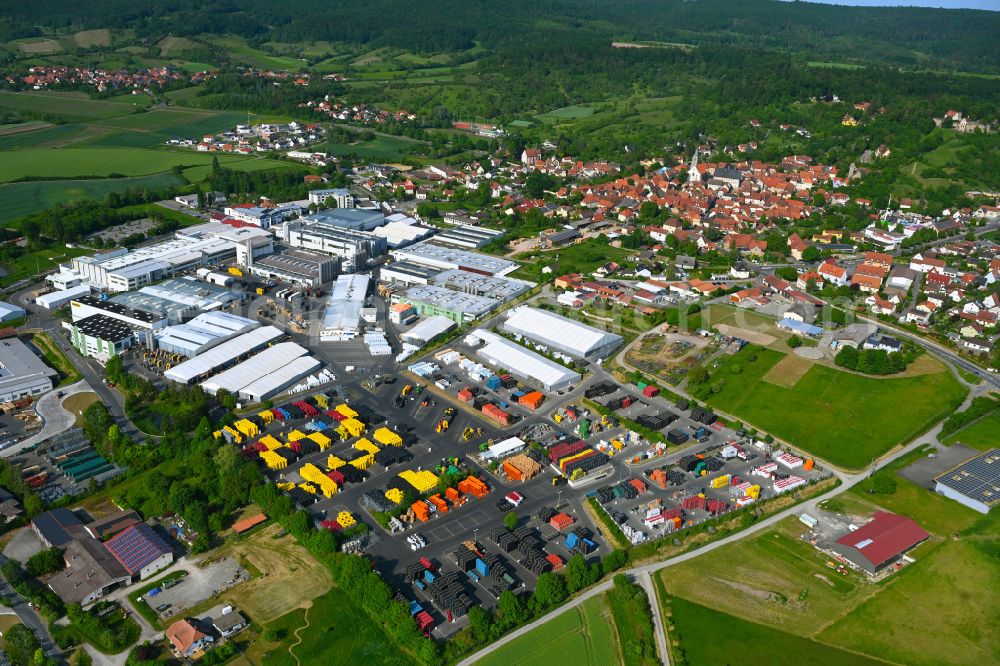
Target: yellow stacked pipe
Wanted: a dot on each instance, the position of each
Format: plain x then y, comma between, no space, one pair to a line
365,445
266,416
247,427
364,462
322,440
295,436
234,432
346,411
422,480
753,491
273,460
285,486
217,434
322,400
270,442
394,495
308,487
388,437
355,427
345,519
333,462
315,475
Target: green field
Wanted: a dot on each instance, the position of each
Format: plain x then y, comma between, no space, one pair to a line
37,262
58,135
942,610
582,636
75,162
380,148
982,434
829,413
709,637
337,633
20,199
73,107
575,112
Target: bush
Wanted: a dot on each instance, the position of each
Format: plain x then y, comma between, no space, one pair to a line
47,561
795,342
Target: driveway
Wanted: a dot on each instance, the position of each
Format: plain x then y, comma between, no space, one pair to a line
56,418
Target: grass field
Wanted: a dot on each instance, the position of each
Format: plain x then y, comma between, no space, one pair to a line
81,108
20,199
982,434
55,358
379,148
46,137
941,610
575,112
38,261
709,637
828,413
332,630
90,38
582,636
76,403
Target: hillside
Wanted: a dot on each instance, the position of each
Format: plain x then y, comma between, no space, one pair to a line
908,37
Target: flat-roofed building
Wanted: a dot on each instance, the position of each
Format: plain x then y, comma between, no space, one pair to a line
428,253
202,333
298,267
342,316
101,337
406,273
975,483
356,248
339,196
22,372
495,288
457,306
466,236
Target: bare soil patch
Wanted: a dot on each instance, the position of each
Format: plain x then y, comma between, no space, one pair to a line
788,371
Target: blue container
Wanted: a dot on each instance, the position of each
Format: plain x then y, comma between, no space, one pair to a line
429,576
419,584
493,382
284,412
482,568
473,576
571,540
415,607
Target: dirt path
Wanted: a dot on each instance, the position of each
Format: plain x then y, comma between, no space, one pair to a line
298,638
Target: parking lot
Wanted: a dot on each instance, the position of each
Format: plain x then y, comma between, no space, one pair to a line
199,584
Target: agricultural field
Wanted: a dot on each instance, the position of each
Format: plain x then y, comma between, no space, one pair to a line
699,629
828,413
982,434
20,199
575,112
329,629
73,107
101,162
583,635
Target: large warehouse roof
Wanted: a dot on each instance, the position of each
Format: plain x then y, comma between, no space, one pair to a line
976,480
249,371
502,353
560,332
274,383
343,309
428,329
203,332
439,256
227,352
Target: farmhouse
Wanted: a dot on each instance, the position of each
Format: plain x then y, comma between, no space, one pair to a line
880,543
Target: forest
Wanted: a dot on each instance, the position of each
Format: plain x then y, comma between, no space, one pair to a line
907,37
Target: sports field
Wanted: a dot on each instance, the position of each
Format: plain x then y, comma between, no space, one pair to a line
829,413
583,636
379,148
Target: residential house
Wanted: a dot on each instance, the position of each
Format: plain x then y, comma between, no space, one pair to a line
880,306
923,264
229,623
882,342
810,276
833,273
977,345
867,283
187,637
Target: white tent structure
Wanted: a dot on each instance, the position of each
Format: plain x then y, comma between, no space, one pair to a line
561,333
501,353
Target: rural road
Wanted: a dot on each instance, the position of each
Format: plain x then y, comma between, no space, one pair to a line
646,581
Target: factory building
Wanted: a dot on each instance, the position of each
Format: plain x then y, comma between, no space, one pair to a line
224,355
57,299
465,236
9,312
460,308
355,219
428,253
192,292
101,337
561,333
138,318
342,317
202,333
22,372
297,267
406,273
504,354
975,483
266,373
356,248
499,289
401,230
428,330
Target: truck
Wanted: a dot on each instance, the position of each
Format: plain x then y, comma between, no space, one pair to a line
514,498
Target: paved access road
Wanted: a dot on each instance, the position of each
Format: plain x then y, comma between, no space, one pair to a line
30,618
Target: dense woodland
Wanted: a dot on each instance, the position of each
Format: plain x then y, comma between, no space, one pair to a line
905,36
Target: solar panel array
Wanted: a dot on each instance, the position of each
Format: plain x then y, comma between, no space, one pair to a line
977,478
136,547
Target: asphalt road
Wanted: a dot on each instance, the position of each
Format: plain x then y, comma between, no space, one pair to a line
30,618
